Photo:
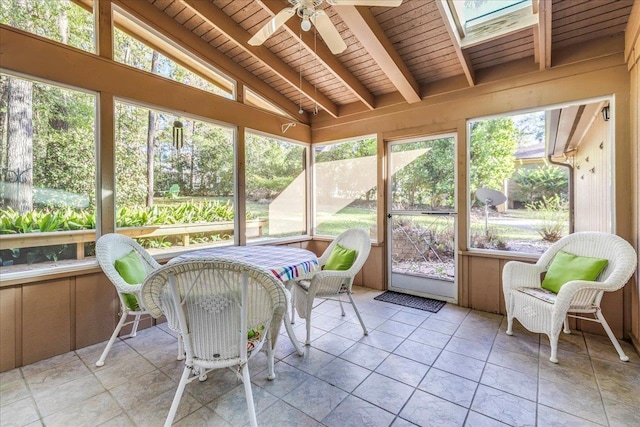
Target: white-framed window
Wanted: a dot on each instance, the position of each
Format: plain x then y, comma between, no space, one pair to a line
345,189
276,186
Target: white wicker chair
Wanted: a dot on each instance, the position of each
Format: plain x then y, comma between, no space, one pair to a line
109,248
543,312
217,302
331,284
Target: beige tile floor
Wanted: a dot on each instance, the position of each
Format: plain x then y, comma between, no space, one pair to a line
455,367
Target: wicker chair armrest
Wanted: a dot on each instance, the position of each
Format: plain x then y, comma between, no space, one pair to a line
327,282
343,274
573,293
569,290
575,286
131,289
121,285
521,274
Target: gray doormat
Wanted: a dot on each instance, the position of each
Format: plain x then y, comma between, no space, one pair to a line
426,304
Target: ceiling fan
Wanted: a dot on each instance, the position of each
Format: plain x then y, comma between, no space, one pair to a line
307,10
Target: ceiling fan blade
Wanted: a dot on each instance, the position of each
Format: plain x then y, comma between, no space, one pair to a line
272,26
384,3
328,32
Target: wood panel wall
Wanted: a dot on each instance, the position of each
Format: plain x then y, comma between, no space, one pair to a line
592,178
632,55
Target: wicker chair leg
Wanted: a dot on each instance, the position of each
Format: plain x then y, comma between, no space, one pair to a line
293,309
176,398
612,337
308,341
271,373
134,329
553,340
249,395
567,329
509,324
180,348
104,354
353,304
341,306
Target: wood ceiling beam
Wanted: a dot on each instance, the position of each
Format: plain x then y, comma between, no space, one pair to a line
542,35
367,30
463,57
168,27
226,25
323,54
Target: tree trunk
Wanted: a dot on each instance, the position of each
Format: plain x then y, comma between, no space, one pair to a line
192,164
63,26
4,92
151,130
20,143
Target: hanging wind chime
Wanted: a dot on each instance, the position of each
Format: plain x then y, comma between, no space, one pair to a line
178,135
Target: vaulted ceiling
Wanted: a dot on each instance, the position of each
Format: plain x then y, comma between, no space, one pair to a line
394,54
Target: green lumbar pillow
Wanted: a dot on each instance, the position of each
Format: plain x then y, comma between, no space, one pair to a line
132,271
341,258
566,267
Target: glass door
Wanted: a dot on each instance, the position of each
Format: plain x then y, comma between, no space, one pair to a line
422,217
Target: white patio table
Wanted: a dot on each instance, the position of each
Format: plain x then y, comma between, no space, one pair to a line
284,262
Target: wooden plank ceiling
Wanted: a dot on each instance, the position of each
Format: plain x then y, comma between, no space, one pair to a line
393,53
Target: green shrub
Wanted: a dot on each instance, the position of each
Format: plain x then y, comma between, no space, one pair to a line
46,220
489,239
553,212
542,182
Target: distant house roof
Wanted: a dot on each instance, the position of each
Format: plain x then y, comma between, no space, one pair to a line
532,152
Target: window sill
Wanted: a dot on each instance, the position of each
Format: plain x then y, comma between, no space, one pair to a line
43,272
49,271
515,256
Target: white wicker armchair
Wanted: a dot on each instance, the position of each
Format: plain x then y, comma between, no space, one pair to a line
227,311
331,284
110,248
543,312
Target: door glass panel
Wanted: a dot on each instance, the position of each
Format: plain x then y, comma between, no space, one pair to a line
424,246
422,175
422,222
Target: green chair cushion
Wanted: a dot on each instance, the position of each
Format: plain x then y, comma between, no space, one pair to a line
341,258
566,267
132,271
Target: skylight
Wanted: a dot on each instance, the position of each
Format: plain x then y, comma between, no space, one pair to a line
480,20
475,12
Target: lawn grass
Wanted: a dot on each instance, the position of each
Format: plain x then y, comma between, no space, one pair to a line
349,217
362,217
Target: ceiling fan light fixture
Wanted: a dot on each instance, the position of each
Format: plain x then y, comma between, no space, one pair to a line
306,24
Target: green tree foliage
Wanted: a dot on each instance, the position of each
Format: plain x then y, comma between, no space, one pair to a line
202,167
531,128
62,120
58,20
271,166
493,145
133,52
429,180
131,133
64,148
541,183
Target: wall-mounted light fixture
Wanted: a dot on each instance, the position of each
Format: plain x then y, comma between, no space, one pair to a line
606,114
